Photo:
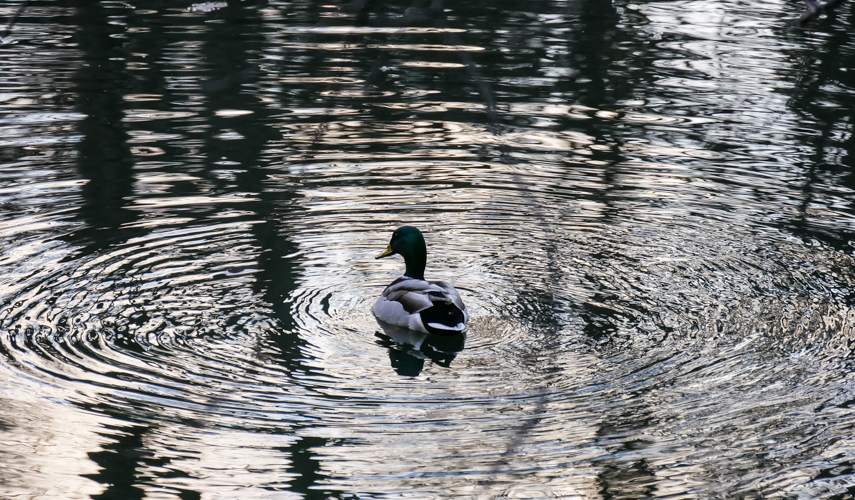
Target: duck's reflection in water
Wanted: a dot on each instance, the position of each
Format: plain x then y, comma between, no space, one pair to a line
408,349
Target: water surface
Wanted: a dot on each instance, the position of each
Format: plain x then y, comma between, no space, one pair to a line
646,207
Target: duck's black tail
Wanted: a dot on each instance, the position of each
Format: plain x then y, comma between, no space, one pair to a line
443,318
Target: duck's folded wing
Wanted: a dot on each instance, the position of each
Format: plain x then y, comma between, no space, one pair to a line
450,293
413,295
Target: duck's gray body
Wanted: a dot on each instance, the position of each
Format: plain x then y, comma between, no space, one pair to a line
423,306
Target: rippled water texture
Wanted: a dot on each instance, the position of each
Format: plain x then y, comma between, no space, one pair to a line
647,208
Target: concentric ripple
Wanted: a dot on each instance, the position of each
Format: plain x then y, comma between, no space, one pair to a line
163,317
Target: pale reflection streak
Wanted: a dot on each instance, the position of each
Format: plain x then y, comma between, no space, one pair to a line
336,47
439,135
219,462
45,445
746,58
365,30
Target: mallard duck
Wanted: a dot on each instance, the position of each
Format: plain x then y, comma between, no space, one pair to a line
410,301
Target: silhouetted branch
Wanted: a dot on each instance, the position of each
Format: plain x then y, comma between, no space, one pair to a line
484,87
814,9
246,75
14,19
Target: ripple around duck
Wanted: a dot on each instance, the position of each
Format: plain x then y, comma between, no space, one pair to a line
691,285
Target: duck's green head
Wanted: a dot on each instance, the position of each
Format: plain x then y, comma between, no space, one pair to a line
410,244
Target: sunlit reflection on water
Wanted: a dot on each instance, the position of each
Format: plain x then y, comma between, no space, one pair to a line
651,229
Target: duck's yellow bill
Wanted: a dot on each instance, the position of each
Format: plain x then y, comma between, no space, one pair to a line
386,253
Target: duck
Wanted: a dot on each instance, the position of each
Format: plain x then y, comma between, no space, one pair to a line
411,302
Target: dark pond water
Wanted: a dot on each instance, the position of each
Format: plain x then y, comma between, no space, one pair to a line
647,207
